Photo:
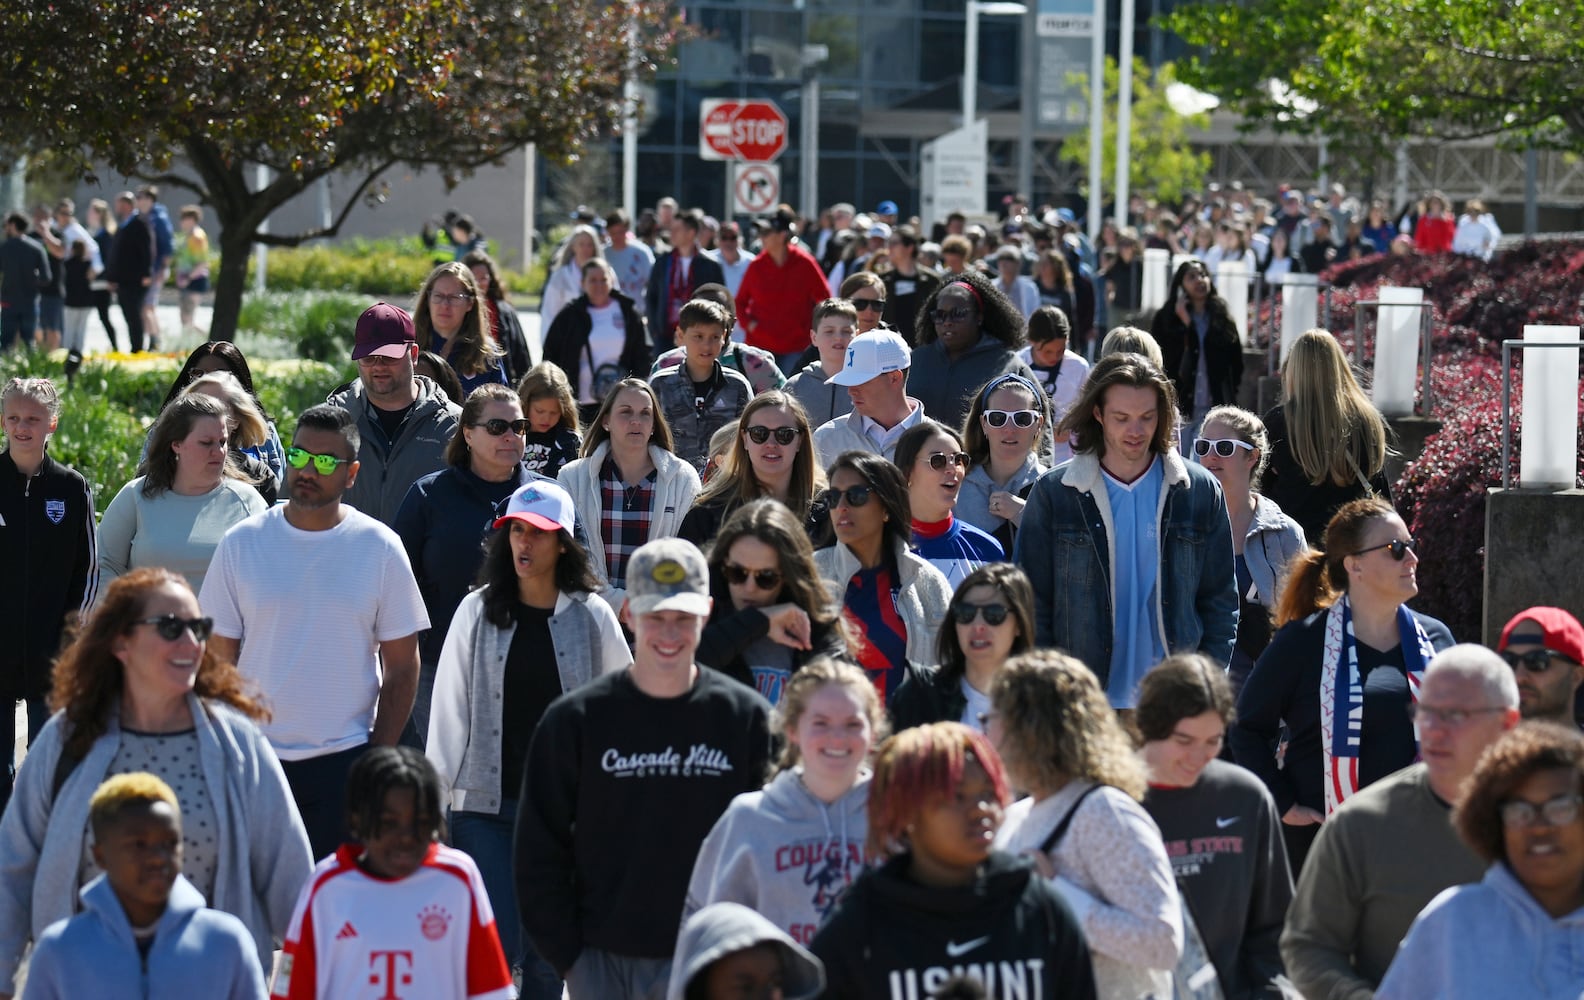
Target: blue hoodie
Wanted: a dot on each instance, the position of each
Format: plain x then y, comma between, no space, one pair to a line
196,952
1489,939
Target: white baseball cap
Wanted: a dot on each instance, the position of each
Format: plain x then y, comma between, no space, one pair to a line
541,503
872,354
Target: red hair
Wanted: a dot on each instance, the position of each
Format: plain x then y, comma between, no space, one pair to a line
916,767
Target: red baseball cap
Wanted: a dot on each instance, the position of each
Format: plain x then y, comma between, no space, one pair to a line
1560,631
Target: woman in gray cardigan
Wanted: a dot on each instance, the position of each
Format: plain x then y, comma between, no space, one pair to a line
494,683
139,691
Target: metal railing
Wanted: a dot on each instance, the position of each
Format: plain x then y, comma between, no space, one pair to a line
1506,397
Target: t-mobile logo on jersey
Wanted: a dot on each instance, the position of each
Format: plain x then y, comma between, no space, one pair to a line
702,760
385,965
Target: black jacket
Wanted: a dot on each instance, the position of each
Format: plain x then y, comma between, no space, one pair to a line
509,337
1010,931
51,569
927,694
703,522
131,254
705,270
924,284
566,342
730,632
1179,345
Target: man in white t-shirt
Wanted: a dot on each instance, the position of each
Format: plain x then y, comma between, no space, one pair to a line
315,601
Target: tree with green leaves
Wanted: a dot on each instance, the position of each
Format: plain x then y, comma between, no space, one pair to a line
196,93
1162,163
1376,71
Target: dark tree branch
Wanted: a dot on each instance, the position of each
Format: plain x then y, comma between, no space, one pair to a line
274,240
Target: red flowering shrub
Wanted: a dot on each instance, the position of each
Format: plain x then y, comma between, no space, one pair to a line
1475,306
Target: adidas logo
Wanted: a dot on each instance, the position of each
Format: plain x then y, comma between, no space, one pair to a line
346,931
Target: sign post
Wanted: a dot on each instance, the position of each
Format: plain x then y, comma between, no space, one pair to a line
751,135
756,188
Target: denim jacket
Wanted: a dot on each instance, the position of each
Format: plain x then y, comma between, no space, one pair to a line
1067,546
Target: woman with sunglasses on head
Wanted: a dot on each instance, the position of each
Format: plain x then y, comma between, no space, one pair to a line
894,600
1328,442
968,334
444,520
139,690
629,483
772,613
448,320
989,620
931,456
1520,930
943,902
1008,420
1082,823
532,631
772,455
1347,648
1232,447
190,493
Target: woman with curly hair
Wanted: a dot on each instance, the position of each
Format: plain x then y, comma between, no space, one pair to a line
968,333
1199,343
448,320
944,901
139,691
1082,822
1520,930
772,613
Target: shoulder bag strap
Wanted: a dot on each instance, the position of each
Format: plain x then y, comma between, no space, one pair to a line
1061,828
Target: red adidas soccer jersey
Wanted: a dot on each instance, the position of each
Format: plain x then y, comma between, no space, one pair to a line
429,936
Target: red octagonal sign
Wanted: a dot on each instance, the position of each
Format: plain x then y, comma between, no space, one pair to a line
749,131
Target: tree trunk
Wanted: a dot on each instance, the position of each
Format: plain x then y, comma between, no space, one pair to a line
236,242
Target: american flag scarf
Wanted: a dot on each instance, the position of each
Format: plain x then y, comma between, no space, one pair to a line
1342,695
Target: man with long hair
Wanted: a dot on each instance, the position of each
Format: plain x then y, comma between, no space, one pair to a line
1128,547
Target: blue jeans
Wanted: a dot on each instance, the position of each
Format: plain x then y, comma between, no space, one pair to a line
487,839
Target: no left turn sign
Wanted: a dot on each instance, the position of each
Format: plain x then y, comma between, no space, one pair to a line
756,187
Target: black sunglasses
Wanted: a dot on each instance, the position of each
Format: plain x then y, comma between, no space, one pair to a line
1399,547
940,459
856,496
1536,661
759,434
994,614
171,627
861,305
497,427
958,315
764,579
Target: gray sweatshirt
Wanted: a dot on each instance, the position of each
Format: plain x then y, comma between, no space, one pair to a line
784,853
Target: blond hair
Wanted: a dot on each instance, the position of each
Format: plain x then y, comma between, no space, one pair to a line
1333,430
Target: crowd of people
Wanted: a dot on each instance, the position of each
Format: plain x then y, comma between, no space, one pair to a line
813,622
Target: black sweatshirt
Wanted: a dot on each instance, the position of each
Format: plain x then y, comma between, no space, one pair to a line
619,792
893,938
1225,844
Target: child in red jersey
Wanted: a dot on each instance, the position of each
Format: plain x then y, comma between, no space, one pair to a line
396,914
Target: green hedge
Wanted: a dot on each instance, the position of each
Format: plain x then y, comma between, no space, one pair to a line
106,413
391,268
318,326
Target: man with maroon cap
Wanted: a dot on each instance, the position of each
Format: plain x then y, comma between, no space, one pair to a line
404,418
1545,648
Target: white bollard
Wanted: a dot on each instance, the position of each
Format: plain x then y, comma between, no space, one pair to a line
1397,350
1548,456
1156,279
1300,308
1232,281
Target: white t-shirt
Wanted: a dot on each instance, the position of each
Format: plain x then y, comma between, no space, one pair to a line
976,705
602,364
431,934
311,608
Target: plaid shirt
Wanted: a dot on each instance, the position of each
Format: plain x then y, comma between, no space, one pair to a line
625,513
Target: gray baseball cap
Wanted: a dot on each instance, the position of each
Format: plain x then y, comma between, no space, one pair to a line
668,574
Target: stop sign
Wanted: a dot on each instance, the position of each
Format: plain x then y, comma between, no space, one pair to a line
749,131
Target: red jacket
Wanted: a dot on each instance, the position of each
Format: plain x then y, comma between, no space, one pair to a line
776,304
1433,233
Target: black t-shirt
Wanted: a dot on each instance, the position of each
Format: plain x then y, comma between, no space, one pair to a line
1386,742
530,684
391,420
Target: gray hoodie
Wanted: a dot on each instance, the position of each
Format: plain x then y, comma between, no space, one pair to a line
783,852
720,929
823,400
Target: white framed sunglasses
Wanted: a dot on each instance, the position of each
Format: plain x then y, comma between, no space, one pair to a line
1019,418
1225,447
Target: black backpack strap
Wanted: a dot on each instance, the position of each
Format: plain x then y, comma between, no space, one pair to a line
64,766
1061,828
